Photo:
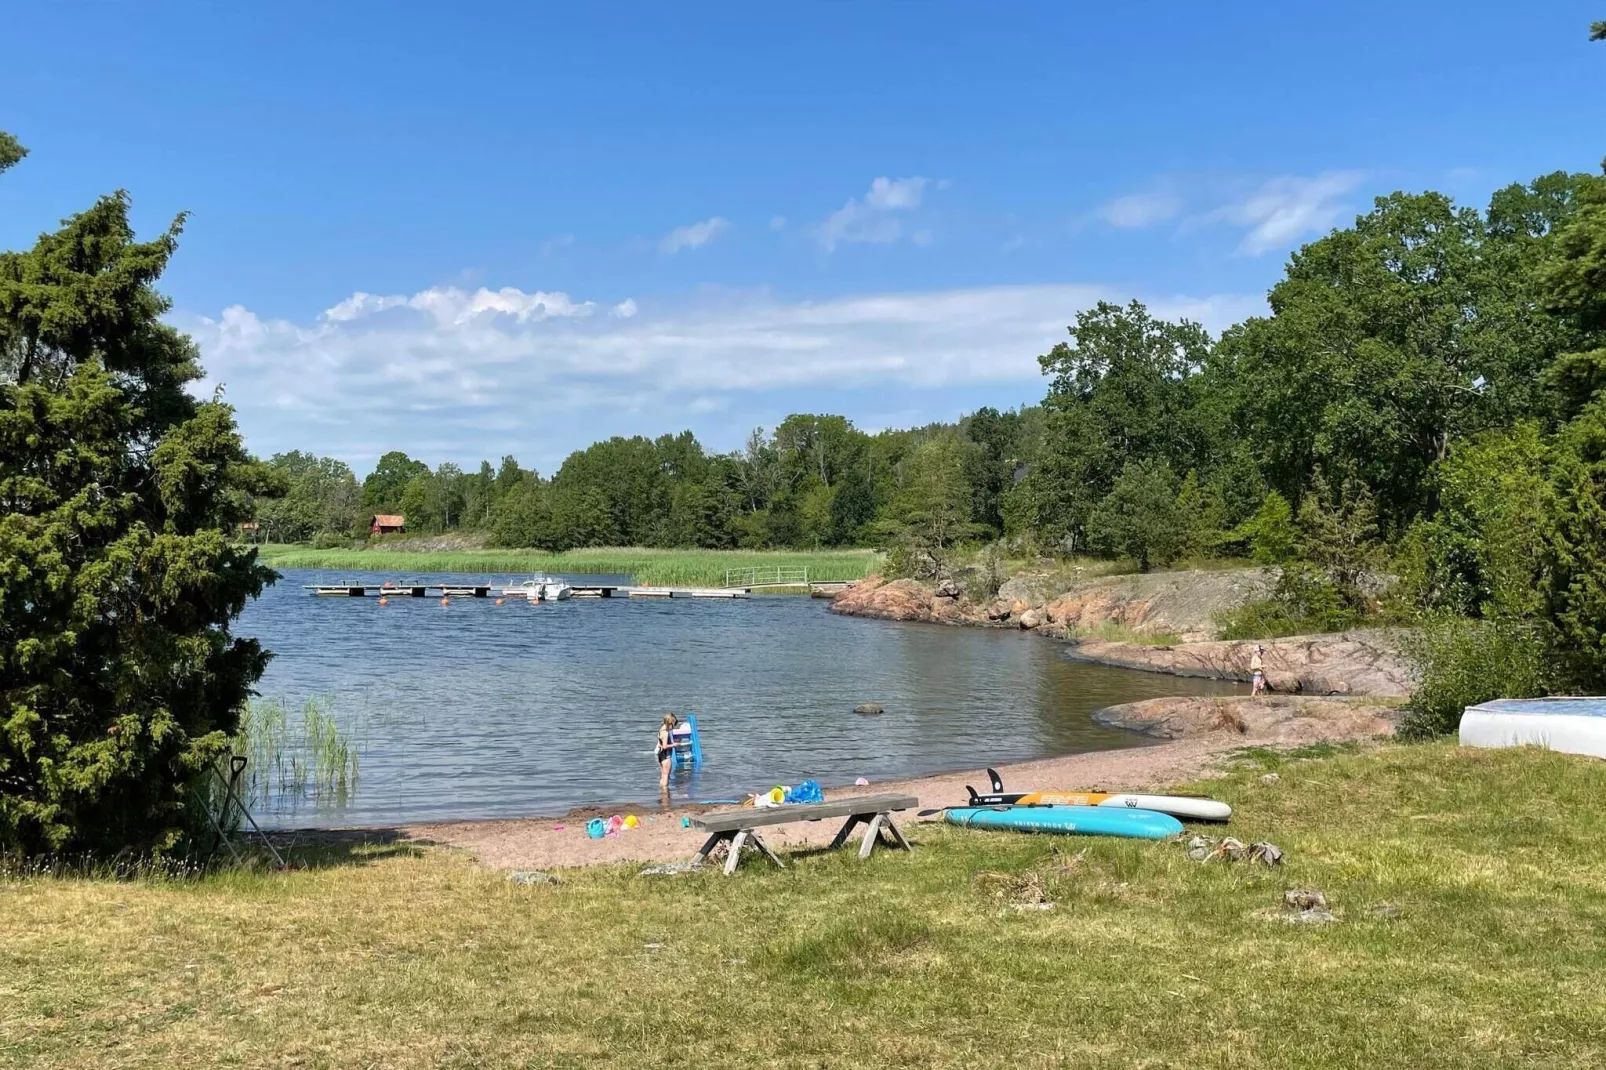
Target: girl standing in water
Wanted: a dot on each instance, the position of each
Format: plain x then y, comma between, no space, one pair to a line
666,749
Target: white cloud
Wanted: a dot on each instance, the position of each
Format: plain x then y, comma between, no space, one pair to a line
777,222
456,375
1141,209
694,236
871,220
1288,208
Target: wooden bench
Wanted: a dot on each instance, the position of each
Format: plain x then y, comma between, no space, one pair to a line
739,828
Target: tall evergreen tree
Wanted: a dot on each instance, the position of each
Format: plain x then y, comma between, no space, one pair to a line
120,679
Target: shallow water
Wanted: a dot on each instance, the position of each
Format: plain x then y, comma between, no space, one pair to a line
477,710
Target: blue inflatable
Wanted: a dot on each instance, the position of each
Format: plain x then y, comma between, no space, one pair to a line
687,743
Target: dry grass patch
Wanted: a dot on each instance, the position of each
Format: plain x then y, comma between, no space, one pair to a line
1489,953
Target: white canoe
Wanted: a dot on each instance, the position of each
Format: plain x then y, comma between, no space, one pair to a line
1570,725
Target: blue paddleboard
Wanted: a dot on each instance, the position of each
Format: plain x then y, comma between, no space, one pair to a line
1081,820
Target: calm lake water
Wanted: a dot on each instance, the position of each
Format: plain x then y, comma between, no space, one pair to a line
479,710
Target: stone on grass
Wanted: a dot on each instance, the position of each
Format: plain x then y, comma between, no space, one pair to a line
671,869
1306,906
533,876
1270,778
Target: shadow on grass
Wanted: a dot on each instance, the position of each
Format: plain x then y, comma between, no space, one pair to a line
333,848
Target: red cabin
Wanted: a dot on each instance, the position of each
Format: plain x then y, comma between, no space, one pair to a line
387,524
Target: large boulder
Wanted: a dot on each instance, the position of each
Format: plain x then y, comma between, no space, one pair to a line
874,597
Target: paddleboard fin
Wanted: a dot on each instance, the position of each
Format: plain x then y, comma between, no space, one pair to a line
998,781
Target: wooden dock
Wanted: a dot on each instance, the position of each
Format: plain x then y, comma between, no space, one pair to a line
408,589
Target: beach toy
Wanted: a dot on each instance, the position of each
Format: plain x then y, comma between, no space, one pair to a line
596,828
806,792
614,824
778,794
686,743
631,821
861,783
685,822
557,828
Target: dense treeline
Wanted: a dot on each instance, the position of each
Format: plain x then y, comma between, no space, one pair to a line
815,481
1422,403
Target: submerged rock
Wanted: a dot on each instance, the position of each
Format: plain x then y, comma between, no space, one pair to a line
869,709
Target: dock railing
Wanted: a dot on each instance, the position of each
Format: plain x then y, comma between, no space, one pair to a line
769,576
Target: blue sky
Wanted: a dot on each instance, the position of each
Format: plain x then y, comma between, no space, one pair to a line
521,228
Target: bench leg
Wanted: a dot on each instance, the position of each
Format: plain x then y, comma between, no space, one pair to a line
735,854
871,834
846,830
764,847
708,845
897,833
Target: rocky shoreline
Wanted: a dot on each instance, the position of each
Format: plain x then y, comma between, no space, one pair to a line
1181,604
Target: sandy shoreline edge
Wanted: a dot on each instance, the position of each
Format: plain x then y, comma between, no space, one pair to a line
1198,732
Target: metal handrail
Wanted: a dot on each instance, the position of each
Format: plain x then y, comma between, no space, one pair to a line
769,576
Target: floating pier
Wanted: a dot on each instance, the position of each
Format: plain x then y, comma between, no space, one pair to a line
485,590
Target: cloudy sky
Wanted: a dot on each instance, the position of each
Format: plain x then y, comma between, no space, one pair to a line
517,230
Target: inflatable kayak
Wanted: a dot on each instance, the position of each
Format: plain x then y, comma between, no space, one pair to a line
1078,820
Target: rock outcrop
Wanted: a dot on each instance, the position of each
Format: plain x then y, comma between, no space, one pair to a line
1184,604
1180,603
1349,663
1290,720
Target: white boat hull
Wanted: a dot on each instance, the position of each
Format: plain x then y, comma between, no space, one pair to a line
1569,725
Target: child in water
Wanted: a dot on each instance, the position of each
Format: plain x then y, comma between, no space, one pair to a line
666,748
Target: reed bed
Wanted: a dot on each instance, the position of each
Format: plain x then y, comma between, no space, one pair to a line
294,756
690,568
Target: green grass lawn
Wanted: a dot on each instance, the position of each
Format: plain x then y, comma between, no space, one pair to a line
1470,889
666,567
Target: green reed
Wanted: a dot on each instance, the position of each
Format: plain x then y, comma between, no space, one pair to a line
306,754
690,568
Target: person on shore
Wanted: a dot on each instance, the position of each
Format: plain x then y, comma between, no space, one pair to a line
1257,671
666,748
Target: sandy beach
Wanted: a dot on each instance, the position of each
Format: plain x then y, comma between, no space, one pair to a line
1203,731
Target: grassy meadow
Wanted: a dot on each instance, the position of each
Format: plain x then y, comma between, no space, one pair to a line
1469,887
701,568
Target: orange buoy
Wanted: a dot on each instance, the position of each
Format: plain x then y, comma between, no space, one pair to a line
498,601
446,601
384,601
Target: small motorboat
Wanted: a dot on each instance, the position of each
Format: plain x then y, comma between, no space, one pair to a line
541,589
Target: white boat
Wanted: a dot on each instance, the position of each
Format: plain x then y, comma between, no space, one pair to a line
1571,725
541,589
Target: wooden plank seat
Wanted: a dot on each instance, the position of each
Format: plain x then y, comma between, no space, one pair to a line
739,828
